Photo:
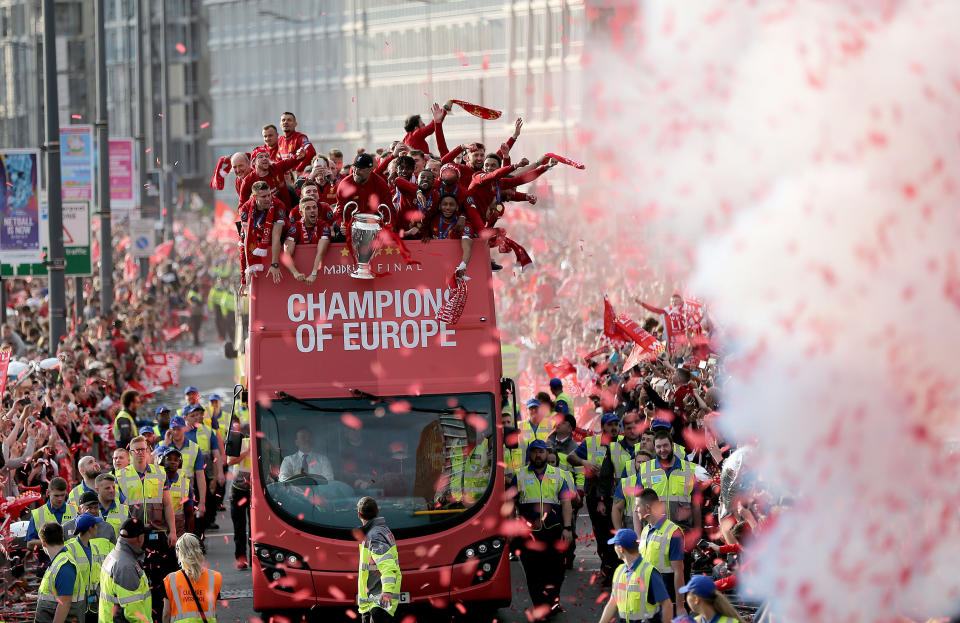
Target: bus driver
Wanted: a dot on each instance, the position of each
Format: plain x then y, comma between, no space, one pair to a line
305,461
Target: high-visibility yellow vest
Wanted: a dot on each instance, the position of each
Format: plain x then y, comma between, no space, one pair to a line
513,461
179,494
564,396
630,492
676,491
118,603
577,474
74,498
656,548
622,459
144,497
544,493
116,515
188,454
126,415
223,423
476,473
183,608
88,571
47,595
630,590
595,449
205,436
527,434
387,565
42,515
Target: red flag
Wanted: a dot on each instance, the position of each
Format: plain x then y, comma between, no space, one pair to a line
5,355
561,369
478,111
613,335
646,350
130,269
161,252
565,160
223,167
620,329
692,312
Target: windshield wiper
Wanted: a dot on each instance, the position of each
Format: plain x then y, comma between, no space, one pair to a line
360,394
303,403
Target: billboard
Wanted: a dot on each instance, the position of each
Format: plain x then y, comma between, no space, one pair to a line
19,206
76,163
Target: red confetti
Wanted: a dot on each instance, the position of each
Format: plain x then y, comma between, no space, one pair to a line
182,49
205,124
351,420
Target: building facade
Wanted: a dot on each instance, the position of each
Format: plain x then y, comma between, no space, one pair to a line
22,109
353,70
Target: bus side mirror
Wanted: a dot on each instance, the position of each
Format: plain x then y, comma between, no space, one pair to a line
234,443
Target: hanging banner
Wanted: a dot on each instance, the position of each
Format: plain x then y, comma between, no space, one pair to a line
123,177
76,162
76,244
19,206
4,363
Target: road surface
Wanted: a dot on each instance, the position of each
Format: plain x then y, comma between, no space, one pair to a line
582,598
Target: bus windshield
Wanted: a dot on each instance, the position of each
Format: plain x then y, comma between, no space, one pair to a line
426,459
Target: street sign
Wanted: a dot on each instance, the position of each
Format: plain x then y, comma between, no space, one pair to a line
76,244
142,237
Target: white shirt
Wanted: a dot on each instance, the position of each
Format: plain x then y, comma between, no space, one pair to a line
317,465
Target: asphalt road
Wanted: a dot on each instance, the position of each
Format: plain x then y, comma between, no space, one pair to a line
580,596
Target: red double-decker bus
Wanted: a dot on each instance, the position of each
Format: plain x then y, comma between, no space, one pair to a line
356,389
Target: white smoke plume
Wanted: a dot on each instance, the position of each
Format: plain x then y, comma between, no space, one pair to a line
798,162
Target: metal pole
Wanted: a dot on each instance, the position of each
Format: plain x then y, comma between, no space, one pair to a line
3,302
78,300
141,123
58,316
103,168
166,190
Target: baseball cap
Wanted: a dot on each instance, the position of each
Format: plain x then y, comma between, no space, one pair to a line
144,430
533,402
609,417
216,397
363,161
169,450
658,423
177,421
556,383
699,585
625,537
563,407
161,409
190,389
191,408
537,444
85,522
131,528
89,497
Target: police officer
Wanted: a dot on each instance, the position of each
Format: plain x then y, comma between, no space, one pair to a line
54,510
62,593
561,440
590,455
125,424
178,485
150,503
88,550
193,462
209,444
214,299
89,506
112,510
710,604
638,592
379,577
543,500
535,426
556,388
661,543
124,587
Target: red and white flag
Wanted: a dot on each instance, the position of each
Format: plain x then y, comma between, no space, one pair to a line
560,370
692,312
619,330
476,110
5,355
450,312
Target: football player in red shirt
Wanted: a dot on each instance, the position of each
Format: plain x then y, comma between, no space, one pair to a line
417,132
449,224
367,189
420,202
270,143
240,165
309,230
486,188
292,141
272,173
263,216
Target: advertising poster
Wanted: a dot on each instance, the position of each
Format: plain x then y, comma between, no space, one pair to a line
76,163
19,206
122,174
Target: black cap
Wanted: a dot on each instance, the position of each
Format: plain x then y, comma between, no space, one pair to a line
363,161
89,497
132,528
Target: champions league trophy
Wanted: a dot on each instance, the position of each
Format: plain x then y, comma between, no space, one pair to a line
364,229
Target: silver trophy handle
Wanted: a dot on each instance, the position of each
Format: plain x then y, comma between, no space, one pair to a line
386,213
348,212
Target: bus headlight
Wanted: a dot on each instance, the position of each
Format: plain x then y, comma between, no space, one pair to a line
275,562
487,553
